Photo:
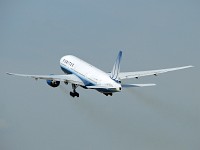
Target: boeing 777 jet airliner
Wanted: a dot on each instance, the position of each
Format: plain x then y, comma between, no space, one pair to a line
80,73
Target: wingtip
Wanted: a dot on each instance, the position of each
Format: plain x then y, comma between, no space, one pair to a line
190,66
151,84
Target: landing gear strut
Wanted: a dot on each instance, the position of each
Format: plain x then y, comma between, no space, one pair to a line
74,93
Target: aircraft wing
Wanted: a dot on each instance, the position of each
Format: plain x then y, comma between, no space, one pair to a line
128,75
71,78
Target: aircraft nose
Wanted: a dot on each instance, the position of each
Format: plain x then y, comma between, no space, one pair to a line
61,59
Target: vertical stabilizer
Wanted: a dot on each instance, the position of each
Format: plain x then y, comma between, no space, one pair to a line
116,67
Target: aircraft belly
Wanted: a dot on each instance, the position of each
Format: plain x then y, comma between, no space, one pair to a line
106,90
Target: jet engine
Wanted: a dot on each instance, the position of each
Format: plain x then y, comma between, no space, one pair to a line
53,83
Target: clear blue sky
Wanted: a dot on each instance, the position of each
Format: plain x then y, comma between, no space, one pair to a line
155,34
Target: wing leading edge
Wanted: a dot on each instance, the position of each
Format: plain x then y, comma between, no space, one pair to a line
128,75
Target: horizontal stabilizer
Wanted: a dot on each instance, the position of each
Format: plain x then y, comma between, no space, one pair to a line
136,85
99,87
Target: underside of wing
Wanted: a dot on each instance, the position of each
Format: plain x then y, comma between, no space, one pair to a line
128,75
71,78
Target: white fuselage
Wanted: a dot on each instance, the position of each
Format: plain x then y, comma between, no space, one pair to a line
90,75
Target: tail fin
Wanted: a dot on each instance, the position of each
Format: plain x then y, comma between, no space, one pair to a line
116,67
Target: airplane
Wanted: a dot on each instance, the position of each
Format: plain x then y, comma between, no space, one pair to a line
80,73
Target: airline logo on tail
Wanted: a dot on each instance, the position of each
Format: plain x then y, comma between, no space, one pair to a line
116,68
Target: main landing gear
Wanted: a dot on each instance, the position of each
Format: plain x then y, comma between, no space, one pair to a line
107,94
74,93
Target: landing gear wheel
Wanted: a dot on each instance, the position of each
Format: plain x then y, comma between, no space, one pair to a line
72,94
77,94
108,94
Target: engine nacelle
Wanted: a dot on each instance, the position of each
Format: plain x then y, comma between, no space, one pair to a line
53,83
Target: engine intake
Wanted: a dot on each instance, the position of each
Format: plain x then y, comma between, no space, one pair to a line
53,83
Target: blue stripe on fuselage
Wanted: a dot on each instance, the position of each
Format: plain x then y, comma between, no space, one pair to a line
65,70
85,80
